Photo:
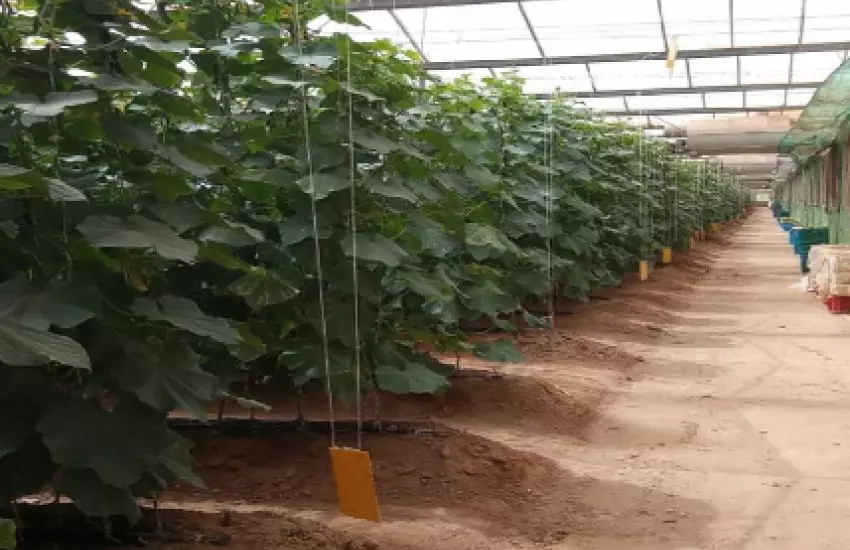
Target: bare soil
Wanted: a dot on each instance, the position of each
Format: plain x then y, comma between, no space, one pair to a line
529,458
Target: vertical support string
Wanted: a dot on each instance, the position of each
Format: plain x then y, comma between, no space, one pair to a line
355,282
315,218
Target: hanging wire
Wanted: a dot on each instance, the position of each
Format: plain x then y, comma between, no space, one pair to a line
548,142
642,190
317,247
355,282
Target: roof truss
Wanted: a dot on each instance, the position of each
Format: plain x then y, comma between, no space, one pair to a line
666,22
637,56
691,90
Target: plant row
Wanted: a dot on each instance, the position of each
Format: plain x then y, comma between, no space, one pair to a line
206,191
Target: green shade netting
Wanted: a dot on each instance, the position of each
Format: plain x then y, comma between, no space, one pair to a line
823,117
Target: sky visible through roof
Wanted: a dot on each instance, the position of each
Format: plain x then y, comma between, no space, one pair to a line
734,55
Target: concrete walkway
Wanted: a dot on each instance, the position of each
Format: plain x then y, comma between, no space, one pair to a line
741,416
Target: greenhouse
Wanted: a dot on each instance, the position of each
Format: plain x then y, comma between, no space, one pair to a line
417,274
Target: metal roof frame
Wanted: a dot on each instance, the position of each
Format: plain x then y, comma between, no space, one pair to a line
690,90
636,56
696,111
683,56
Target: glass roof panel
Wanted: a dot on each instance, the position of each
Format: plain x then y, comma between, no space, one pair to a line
381,26
724,100
638,75
697,25
716,71
604,103
546,80
815,66
453,33
766,98
596,27
764,69
764,22
474,74
672,101
799,98
827,21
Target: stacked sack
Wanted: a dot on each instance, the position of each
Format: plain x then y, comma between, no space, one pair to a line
829,270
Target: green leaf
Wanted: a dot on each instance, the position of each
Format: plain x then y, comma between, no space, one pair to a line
166,380
374,247
39,307
502,351
137,232
181,217
320,61
391,191
185,314
411,378
294,231
8,534
322,185
25,346
119,445
112,83
261,290
14,178
56,102
62,192
178,159
10,171
236,235
376,142
285,81
177,465
94,497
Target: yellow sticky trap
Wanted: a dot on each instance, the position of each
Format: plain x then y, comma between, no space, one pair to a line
643,270
666,255
714,227
355,483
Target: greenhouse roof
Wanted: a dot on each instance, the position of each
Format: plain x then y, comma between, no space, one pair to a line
733,56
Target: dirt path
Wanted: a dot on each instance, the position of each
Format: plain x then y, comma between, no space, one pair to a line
707,409
742,407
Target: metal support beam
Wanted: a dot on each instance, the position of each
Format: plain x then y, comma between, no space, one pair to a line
688,72
406,32
663,26
590,76
692,90
383,5
697,111
732,41
531,31
641,56
799,41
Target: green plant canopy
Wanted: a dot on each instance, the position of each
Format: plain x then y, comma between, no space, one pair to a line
185,188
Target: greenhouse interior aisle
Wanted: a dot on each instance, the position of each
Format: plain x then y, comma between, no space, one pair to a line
739,414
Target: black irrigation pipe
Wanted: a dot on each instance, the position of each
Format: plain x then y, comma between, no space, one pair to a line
52,526
266,426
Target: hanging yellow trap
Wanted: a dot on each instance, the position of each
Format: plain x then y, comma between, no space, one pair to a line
666,255
714,227
355,483
643,270
672,52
